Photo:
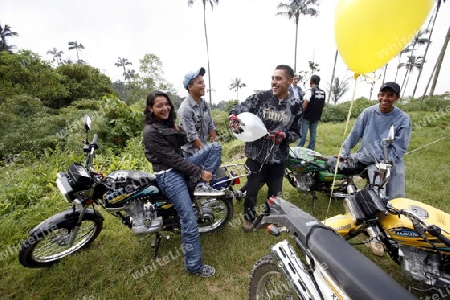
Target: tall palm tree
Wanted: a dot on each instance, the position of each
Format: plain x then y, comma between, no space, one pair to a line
57,55
212,2
439,61
332,74
77,47
6,32
237,84
313,66
294,9
339,88
413,45
414,62
400,54
430,29
123,62
438,6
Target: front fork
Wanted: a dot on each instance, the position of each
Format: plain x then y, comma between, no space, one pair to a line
74,232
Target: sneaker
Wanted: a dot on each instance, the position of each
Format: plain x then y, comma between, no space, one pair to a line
205,190
376,246
207,271
248,226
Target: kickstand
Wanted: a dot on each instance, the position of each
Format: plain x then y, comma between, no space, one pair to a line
313,200
155,243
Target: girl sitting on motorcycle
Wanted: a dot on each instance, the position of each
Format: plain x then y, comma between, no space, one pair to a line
163,139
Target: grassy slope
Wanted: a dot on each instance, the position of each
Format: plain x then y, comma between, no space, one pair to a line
105,271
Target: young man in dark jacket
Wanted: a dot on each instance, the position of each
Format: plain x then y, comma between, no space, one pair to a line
313,104
281,113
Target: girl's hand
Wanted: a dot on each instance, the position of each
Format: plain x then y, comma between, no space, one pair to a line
206,175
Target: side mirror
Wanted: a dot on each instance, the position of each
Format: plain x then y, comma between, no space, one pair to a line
87,123
391,135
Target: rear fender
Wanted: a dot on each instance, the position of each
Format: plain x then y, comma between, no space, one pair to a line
67,216
342,224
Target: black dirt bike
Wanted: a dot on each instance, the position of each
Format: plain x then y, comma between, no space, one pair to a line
323,266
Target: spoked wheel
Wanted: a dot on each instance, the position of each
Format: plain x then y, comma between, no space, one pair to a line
47,246
213,214
268,282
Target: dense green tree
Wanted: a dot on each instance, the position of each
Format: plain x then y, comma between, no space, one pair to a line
84,81
211,2
26,73
6,32
294,9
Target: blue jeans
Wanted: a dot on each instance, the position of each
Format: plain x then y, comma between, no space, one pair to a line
174,186
312,133
209,157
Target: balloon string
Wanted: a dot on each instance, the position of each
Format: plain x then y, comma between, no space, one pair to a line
355,76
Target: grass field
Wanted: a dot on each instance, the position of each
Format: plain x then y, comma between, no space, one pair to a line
119,266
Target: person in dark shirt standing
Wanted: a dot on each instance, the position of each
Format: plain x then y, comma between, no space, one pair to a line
281,114
313,103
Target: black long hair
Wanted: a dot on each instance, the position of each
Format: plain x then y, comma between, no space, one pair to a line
149,117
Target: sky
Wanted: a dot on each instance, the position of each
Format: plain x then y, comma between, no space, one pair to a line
246,40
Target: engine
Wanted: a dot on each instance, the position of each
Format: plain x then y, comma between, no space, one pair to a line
425,266
303,181
143,217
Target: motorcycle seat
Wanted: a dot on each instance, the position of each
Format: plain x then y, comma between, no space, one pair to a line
358,276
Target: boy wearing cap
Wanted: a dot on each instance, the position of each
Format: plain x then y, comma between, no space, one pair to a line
196,120
195,115
372,126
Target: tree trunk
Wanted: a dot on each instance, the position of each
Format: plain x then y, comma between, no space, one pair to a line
426,50
332,75
404,79
406,84
428,83
399,61
295,46
207,53
384,72
439,61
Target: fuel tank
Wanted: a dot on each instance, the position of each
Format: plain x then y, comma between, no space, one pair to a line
126,185
342,223
401,229
304,160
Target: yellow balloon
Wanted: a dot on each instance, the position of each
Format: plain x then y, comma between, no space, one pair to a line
370,32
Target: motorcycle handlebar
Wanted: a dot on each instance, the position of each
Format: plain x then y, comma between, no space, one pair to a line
436,232
94,144
420,227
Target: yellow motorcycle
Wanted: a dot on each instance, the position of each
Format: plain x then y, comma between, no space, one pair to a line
415,235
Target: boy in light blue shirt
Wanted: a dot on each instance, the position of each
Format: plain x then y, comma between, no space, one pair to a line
372,126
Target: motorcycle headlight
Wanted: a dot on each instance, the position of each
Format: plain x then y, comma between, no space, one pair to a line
352,208
348,209
64,186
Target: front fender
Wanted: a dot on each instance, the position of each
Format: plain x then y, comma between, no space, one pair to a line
342,224
68,215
